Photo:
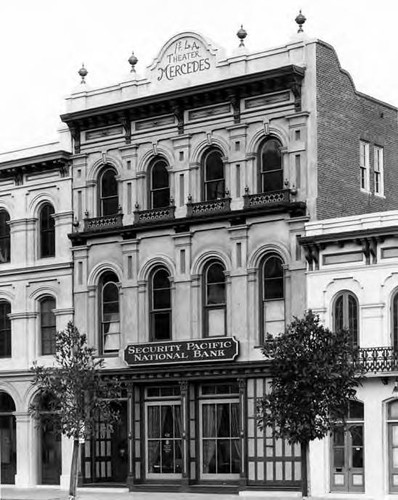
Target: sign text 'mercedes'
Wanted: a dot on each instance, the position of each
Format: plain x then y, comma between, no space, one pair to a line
215,349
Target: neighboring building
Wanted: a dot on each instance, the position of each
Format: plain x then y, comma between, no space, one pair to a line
353,283
191,187
35,300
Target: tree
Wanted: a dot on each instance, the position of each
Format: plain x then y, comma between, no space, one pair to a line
75,391
314,373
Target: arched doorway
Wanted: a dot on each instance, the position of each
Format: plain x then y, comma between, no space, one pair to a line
8,442
50,452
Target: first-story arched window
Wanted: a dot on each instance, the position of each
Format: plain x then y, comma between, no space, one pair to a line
345,314
47,231
272,295
160,305
5,329
4,236
108,192
214,300
213,175
270,166
159,188
110,314
47,325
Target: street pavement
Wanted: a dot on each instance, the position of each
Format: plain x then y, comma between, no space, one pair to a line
41,493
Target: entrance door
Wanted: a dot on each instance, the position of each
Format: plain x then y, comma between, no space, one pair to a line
50,455
347,461
163,440
220,439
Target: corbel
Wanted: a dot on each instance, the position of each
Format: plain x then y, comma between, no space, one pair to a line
235,103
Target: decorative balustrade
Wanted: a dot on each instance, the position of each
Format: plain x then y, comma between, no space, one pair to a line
265,199
211,207
103,223
379,359
153,214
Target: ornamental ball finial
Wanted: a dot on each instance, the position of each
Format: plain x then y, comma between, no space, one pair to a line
241,34
133,61
300,20
83,73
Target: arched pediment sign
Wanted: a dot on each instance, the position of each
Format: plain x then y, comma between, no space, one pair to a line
184,57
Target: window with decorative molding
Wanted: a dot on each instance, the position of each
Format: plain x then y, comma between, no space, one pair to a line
160,305
4,236
110,314
159,188
108,193
345,314
270,166
213,176
5,329
47,231
215,306
47,325
272,296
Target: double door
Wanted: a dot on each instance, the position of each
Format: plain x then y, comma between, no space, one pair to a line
347,461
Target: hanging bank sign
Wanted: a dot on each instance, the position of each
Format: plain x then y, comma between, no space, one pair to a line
185,55
185,351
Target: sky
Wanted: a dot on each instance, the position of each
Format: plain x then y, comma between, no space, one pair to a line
43,43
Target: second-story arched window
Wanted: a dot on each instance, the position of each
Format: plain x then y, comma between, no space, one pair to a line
47,231
108,193
272,295
214,300
213,175
270,168
159,188
5,329
345,314
110,314
395,321
47,325
4,236
160,305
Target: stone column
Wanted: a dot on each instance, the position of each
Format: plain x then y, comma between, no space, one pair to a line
27,454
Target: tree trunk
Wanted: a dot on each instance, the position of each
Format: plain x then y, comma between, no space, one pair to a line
74,470
304,469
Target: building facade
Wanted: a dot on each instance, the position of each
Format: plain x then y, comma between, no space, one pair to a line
181,222
354,285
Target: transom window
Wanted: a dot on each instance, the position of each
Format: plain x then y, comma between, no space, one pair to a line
272,295
271,170
159,185
47,231
47,325
4,236
160,305
5,329
110,317
346,314
108,193
214,300
213,176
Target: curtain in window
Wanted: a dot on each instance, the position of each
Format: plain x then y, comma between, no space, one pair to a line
273,295
110,313
161,305
4,236
215,300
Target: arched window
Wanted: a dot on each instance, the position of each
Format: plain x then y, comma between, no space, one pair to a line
47,325
345,312
4,236
160,305
108,193
271,170
110,314
272,295
214,300
5,329
159,189
213,175
8,439
392,425
47,231
395,321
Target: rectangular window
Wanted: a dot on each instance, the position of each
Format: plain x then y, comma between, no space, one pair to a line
364,165
129,199
379,171
237,180
182,193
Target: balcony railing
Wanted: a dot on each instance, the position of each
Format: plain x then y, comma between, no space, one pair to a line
379,359
265,199
211,207
103,223
153,214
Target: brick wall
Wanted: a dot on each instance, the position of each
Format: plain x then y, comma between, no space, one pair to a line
344,117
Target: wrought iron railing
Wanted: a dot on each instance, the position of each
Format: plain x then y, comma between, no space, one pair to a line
379,359
211,207
103,223
154,215
264,199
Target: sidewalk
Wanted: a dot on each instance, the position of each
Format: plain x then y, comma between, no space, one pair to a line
10,493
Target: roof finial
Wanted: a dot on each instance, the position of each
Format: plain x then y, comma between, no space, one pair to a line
300,20
83,73
133,61
241,34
